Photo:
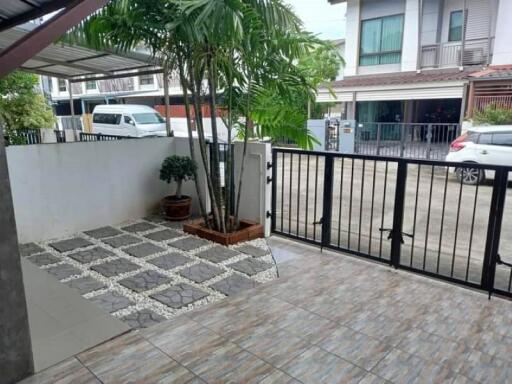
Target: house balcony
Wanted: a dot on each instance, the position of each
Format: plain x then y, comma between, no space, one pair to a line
457,54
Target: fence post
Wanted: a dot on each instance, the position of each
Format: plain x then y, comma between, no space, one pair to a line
429,140
402,139
398,214
274,190
378,138
492,243
327,203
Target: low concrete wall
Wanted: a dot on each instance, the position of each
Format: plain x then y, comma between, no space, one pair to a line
61,189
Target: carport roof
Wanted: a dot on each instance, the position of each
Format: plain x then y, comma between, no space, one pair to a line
74,62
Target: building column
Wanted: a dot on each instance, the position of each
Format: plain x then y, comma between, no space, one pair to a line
352,40
411,32
15,345
166,101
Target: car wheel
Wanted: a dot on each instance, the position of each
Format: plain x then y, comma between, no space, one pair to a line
470,176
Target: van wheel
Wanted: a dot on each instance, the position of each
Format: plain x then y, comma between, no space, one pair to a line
470,176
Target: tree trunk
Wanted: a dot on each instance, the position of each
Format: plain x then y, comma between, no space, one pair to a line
215,141
184,86
178,188
196,90
244,154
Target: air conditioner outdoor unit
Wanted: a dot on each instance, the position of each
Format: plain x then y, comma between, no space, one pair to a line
474,56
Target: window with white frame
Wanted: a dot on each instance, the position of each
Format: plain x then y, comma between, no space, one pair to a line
63,87
146,80
381,40
90,85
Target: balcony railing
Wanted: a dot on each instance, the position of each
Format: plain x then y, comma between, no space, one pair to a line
449,54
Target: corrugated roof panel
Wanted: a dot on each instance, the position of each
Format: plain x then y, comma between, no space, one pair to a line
12,8
112,63
66,71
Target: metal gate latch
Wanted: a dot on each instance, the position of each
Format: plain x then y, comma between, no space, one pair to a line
391,233
319,222
501,262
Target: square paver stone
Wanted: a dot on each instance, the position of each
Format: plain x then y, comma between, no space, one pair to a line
121,241
139,227
90,255
201,272
250,266
189,243
156,219
70,244
170,260
30,249
144,281
115,267
143,250
43,259
63,271
166,234
112,301
179,295
217,254
101,233
252,250
233,284
144,318
86,284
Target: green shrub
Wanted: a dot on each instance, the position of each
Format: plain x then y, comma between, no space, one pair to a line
494,115
179,169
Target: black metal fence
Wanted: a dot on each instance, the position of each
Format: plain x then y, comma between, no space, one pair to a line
413,214
23,137
417,141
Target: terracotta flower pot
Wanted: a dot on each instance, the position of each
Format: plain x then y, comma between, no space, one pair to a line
177,208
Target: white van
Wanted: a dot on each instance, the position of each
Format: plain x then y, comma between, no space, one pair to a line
127,120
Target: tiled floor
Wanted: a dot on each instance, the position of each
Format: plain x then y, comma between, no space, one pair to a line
330,318
150,270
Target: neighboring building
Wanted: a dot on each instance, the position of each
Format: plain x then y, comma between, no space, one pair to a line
410,60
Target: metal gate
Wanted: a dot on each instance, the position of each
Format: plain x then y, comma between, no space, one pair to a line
418,215
410,140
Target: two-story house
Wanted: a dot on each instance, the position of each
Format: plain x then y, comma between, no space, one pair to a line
411,60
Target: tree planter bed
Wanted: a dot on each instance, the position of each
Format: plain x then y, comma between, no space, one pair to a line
249,230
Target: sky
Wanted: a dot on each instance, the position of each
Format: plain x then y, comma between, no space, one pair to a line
319,17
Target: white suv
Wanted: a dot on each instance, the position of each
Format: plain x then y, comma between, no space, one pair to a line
483,145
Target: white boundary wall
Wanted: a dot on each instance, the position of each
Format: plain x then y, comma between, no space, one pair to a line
61,189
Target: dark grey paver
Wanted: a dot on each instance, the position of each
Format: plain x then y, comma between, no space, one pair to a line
253,251
139,227
233,284
217,254
145,281
156,219
115,267
143,250
90,255
144,318
179,295
30,249
101,233
121,241
112,301
250,266
86,284
201,272
43,259
70,244
189,243
166,234
170,260
63,271
173,224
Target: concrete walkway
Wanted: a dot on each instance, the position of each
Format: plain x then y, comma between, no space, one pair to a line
330,318
62,323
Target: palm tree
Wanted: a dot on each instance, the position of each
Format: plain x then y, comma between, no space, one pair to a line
233,53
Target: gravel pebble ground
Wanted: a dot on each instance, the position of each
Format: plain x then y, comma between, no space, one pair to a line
143,300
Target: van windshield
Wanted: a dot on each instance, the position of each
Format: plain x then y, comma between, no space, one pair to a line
148,118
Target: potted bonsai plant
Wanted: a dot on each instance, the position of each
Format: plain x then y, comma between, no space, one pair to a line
179,169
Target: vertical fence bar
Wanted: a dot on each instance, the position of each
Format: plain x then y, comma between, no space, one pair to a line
327,202
492,243
379,128
398,214
429,141
274,190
